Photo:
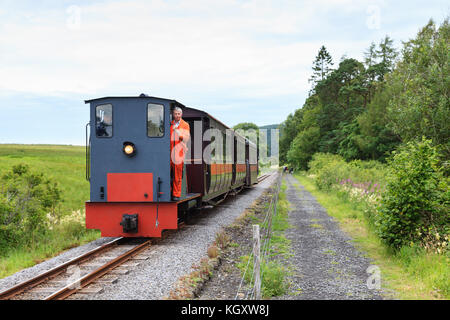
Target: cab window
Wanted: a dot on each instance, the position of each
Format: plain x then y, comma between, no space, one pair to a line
104,121
155,120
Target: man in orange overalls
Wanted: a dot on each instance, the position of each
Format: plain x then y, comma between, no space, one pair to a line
179,137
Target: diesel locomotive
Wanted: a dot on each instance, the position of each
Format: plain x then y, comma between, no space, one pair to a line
128,165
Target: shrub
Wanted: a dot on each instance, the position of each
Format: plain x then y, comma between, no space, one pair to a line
222,239
321,160
414,205
26,198
331,170
213,252
328,169
273,280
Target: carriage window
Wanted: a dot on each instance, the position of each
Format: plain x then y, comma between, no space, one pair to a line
103,121
155,120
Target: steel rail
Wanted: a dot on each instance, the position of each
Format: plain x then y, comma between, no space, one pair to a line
94,275
261,178
28,284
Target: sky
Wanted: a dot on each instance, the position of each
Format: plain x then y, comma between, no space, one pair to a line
239,60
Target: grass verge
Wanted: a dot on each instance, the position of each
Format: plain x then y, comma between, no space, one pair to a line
409,274
274,269
55,241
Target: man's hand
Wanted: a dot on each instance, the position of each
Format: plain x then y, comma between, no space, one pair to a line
180,137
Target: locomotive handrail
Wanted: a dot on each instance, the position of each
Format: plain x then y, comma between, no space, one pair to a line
88,152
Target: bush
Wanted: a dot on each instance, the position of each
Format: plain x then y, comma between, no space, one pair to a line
330,170
26,200
321,160
414,205
273,281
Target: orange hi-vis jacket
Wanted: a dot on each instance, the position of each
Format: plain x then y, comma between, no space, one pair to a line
179,138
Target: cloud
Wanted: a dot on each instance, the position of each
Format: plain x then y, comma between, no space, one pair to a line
222,54
196,43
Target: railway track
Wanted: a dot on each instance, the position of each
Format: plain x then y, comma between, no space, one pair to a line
75,275
81,274
264,176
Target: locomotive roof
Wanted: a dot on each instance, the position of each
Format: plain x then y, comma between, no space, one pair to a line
143,96
147,97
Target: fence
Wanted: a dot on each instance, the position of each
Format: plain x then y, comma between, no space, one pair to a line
259,254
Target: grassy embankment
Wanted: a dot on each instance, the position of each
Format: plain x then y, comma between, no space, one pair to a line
65,165
412,273
274,268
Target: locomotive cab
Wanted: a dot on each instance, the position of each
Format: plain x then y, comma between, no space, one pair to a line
129,167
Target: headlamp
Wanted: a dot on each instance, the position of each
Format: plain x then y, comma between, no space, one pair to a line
129,149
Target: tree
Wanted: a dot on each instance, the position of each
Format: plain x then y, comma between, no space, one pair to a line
342,96
387,53
421,104
321,66
376,140
288,130
248,130
303,147
370,60
370,56
246,126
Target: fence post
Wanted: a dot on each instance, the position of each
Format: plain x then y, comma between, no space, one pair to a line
256,262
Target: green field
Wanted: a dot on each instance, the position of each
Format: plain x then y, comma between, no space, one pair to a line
61,163
66,166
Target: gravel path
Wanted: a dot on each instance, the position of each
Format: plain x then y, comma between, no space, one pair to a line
325,262
170,259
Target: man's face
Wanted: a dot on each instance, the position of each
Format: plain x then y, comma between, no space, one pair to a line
177,115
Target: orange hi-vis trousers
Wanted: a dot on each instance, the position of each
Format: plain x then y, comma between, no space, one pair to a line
178,141
177,179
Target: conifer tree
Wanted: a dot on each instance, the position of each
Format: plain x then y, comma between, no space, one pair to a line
370,56
387,53
321,66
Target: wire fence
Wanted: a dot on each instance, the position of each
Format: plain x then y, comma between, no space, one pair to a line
260,256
